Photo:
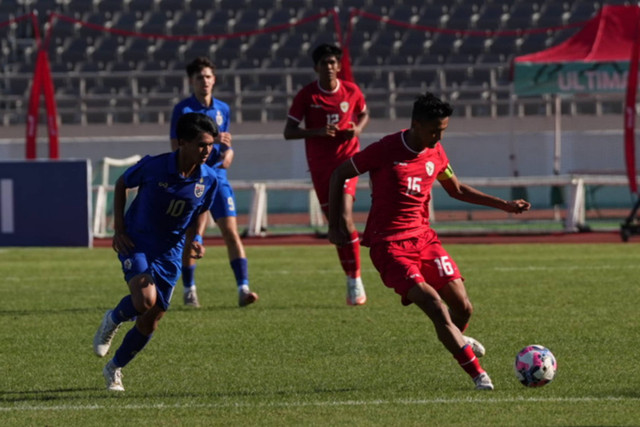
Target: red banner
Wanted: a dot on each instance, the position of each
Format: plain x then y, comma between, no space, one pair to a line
630,115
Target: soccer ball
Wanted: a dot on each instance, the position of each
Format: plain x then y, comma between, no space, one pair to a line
535,366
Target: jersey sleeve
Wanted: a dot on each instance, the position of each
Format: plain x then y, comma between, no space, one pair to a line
134,176
369,158
446,171
361,105
299,106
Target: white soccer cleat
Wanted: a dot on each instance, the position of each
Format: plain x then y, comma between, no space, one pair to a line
355,291
104,335
483,382
191,298
113,377
246,297
478,349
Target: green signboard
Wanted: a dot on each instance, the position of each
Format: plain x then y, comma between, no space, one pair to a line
570,77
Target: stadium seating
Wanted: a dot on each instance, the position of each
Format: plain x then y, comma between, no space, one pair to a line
130,67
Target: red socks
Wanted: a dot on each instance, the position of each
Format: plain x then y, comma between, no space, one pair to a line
468,361
350,256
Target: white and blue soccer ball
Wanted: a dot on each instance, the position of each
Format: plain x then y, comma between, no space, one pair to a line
535,366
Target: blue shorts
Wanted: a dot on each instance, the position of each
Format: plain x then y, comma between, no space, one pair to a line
224,202
164,272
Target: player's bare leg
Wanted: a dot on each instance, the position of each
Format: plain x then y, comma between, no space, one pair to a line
460,309
425,297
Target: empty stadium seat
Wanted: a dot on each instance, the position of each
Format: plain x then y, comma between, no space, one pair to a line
443,43
196,48
413,43
553,14
249,20
187,22
472,45
142,6
533,43
582,10
127,21
154,23
460,16
215,23
431,14
111,6
137,49
521,15
491,16
78,7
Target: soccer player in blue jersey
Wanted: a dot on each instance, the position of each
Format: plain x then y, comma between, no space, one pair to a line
201,73
175,192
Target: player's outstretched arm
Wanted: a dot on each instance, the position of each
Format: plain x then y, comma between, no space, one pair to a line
338,234
466,193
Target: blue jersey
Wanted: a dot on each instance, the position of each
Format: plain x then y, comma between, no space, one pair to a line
220,113
166,204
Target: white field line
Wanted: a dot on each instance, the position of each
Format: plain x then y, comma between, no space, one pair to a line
568,268
345,403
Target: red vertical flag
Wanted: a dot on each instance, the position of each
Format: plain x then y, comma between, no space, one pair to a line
630,112
42,84
34,104
50,104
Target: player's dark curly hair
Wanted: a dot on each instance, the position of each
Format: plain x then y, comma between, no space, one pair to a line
325,50
198,65
192,125
429,107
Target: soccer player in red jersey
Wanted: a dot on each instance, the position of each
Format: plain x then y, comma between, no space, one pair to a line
404,249
334,113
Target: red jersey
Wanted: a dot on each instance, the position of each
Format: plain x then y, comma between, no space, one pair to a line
318,108
401,181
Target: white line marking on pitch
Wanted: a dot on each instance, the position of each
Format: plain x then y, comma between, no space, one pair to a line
25,408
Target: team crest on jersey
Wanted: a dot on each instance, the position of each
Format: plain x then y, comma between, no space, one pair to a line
219,118
430,167
344,106
127,264
198,190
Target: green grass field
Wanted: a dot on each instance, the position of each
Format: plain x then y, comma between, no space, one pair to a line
300,356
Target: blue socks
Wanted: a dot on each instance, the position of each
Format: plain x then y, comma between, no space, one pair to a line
131,345
124,311
240,270
188,275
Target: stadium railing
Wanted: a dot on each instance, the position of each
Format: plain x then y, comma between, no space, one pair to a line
573,218
389,90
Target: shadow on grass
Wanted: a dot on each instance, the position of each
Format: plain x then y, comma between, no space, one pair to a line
55,311
95,393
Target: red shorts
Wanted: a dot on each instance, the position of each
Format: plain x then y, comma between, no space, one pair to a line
403,264
321,179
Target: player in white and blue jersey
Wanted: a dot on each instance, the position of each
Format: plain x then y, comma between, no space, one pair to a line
175,192
201,73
